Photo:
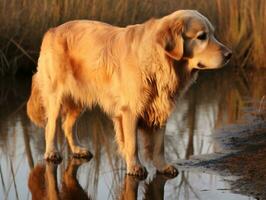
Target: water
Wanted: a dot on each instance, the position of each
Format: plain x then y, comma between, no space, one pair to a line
219,98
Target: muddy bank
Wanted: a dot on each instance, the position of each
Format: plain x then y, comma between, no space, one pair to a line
243,156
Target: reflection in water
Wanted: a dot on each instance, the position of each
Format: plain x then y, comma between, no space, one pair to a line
43,182
247,141
218,98
152,190
130,189
243,156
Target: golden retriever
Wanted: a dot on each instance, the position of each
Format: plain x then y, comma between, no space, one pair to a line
133,73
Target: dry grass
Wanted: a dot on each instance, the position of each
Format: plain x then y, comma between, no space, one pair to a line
239,23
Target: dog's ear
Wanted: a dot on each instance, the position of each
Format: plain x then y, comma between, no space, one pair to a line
170,38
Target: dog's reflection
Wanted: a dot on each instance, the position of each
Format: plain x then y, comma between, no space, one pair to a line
153,190
43,182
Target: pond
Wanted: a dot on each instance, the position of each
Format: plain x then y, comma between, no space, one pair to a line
214,162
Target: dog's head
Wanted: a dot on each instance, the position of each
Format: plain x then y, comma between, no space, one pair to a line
188,35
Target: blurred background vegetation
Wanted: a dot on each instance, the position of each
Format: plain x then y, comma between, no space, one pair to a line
220,97
240,24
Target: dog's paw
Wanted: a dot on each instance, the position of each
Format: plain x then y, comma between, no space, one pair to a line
77,161
138,171
53,156
169,171
82,153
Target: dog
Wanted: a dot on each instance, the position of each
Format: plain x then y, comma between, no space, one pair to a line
133,73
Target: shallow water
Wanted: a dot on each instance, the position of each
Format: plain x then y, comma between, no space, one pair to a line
218,99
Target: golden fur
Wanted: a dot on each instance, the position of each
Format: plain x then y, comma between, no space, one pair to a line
132,73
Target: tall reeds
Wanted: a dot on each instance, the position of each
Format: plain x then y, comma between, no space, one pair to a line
239,23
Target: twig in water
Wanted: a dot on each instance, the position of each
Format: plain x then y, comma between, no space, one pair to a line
22,50
261,103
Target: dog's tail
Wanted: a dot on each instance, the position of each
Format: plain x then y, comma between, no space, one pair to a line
35,107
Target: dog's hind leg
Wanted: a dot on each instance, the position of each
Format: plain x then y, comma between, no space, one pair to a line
53,108
119,135
71,114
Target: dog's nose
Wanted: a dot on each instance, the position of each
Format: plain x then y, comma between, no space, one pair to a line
228,55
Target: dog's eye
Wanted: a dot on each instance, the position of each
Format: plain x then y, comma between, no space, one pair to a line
202,36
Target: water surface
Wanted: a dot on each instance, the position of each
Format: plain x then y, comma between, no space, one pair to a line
218,99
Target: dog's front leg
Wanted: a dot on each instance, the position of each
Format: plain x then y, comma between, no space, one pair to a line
158,154
130,149
53,107
78,151
154,150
